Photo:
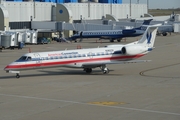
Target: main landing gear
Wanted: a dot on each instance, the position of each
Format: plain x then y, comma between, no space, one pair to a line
119,40
88,70
104,69
112,40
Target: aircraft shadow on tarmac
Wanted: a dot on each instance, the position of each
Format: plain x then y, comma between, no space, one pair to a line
60,72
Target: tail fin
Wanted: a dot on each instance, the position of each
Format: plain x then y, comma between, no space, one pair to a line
144,25
147,22
149,36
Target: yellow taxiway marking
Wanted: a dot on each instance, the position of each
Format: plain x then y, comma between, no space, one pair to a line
108,103
81,103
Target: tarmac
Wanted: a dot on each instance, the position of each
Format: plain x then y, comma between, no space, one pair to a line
139,91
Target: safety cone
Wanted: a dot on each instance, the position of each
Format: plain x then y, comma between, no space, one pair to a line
29,50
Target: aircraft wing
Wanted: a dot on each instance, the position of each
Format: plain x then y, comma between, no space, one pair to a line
98,64
131,61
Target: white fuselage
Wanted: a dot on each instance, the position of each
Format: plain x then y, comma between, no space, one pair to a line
70,58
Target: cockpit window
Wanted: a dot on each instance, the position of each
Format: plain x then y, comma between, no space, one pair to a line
25,58
29,58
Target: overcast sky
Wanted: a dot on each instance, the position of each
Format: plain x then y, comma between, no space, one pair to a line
153,4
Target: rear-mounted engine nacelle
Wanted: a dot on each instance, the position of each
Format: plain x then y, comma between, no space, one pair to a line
133,50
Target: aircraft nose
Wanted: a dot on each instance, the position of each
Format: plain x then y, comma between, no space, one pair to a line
7,68
11,66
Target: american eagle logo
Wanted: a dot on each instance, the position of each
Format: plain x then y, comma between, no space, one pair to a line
149,36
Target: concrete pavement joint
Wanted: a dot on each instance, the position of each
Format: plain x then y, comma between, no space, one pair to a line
74,102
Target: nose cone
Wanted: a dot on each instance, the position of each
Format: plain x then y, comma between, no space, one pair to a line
11,66
7,68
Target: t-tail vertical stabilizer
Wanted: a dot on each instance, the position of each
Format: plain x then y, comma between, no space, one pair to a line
149,36
144,45
144,25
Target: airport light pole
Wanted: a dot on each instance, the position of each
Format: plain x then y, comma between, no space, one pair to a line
130,8
111,7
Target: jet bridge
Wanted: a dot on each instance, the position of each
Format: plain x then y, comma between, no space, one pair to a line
63,26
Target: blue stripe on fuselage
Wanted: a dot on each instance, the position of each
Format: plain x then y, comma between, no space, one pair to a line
149,36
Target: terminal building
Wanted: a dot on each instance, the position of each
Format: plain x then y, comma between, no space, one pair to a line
18,14
22,20
63,17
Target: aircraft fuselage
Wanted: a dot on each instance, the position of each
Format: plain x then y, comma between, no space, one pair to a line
69,58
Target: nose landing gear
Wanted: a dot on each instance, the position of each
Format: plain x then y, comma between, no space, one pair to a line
16,72
17,75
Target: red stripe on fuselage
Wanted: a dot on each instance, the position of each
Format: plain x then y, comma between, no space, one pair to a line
43,63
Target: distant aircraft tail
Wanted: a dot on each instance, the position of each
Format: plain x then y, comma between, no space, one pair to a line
145,23
149,36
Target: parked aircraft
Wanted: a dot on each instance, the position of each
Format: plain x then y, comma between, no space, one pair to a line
112,34
87,59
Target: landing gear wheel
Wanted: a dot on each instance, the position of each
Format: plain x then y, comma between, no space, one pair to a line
106,71
17,75
111,40
119,40
88,70
164,34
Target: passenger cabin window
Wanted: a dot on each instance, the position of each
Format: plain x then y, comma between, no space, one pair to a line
98,54
79,55
70,56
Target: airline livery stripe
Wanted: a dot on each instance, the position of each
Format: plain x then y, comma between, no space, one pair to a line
65,62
